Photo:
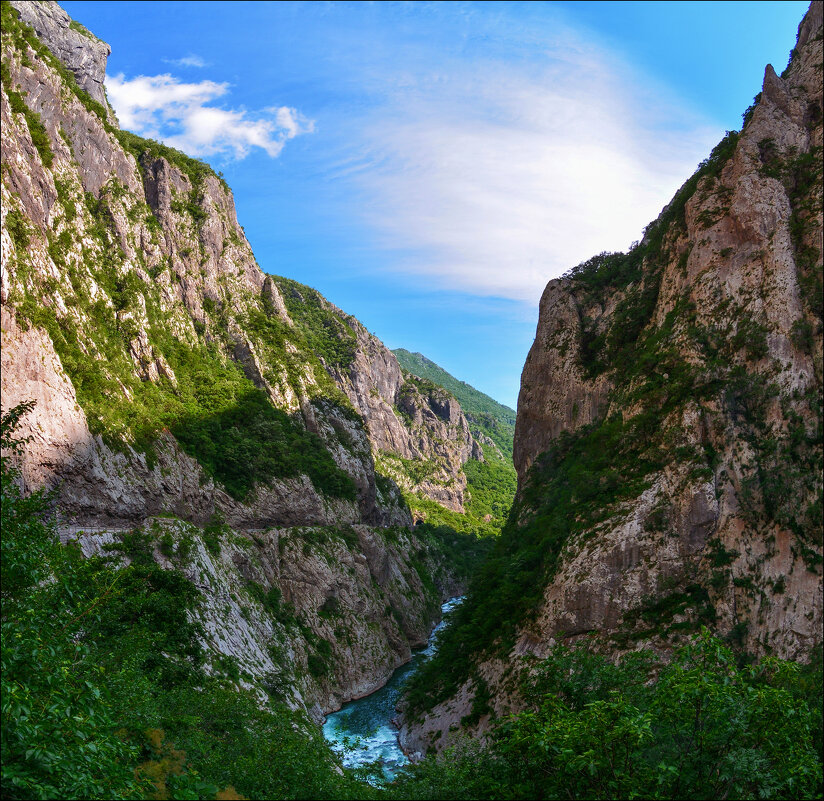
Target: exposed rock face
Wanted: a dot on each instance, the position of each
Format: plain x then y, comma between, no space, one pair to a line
173,228
129,288
735,263
749,282
704,346
336,583
82,52
409,419
555,396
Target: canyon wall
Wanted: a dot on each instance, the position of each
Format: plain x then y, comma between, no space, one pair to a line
179,388
669,430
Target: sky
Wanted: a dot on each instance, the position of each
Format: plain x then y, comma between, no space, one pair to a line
428,167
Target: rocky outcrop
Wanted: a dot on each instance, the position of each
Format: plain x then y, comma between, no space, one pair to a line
301,613
669,421
135,314
737,289
555,394
409,419
74,46
102,223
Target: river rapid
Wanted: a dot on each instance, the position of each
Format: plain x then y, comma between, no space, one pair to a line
362,731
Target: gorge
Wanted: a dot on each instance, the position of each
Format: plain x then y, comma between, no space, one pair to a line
229,509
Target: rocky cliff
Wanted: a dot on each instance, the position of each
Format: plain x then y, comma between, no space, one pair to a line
669,430
175,380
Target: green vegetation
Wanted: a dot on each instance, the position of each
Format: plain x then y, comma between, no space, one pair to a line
638,275
103,682
570,489
585,476
148,150
491,484
18,228
698,727
491,488
250,441
76,26
105,695
461,551
215,412
327,335
22,36
486,416
37,131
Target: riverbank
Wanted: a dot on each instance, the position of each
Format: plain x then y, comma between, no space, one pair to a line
363,731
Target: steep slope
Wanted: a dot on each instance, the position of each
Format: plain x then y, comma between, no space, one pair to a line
669,433
487,418
491,479
175,381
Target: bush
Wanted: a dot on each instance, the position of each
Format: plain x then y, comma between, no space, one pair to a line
103,695
698,727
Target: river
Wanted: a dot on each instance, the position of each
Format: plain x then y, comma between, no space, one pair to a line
362,731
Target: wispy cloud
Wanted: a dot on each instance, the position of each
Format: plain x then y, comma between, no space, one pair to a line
179,114
192,60
495,175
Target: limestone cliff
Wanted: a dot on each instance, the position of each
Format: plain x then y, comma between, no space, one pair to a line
669,430
175,380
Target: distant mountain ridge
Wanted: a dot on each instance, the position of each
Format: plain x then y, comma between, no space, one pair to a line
486,416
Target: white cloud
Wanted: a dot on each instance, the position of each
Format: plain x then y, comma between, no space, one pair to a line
497,178
162,107
192,60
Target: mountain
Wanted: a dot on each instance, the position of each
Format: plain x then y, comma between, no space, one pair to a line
231,426
486,416
668,441
491,481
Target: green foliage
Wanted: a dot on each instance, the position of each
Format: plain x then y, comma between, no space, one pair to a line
251,441
570,489
22,565
103,695
698,727
747,115
326,334
462,551
433,514
272,601
654,616
76,26
637,274
217,415
58,732
23,36
317,665
752,337
37,131
492,485
213,533
18,228
148,150
486,416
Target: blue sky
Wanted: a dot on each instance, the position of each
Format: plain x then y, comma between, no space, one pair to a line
430,166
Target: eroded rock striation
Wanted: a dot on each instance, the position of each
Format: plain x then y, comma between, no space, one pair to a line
175,381
669,431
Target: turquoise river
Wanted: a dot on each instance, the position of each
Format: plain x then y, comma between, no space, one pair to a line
362,731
